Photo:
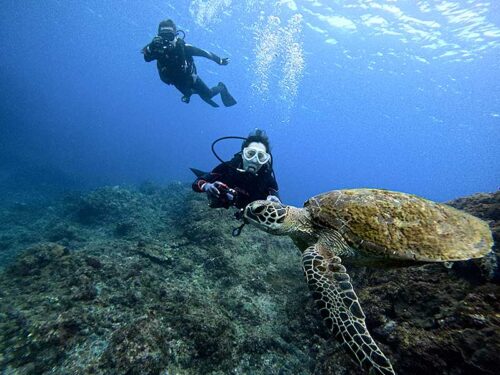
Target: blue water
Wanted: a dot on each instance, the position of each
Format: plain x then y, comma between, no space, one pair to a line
402,95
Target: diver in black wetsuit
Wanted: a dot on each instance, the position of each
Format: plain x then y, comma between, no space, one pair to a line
176,65
247,177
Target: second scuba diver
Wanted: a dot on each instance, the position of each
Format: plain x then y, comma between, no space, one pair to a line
174,59
247,177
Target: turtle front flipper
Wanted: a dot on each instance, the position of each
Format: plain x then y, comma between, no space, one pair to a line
338,304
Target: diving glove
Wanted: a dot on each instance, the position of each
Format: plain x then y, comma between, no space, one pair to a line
217,188
157,42
273,198
211,189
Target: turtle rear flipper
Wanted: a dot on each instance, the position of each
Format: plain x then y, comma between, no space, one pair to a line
340,309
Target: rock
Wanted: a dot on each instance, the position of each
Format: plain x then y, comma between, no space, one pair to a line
187,298
386,329
93,262
139,347
62,232
38,257
85,292
124,228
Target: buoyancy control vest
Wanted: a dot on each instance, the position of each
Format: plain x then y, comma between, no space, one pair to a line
174,65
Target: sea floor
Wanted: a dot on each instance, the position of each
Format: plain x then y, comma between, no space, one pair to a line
149,280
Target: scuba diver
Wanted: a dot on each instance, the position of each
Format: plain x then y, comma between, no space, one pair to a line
247,177
174,59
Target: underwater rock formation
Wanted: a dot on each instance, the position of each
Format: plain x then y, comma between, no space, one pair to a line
150,281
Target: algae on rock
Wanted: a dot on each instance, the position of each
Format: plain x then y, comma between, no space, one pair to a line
150,281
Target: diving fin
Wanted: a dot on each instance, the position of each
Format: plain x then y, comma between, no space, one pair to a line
210,101
197,172
226,97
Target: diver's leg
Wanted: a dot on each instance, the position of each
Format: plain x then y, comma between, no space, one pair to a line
181,86
225,96
221,89
185,90
200,88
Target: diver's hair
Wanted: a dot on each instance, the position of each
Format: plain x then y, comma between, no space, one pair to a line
257,136
167,23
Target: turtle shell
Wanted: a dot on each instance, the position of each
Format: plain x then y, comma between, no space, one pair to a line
400,226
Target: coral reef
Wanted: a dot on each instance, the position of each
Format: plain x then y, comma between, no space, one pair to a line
150,281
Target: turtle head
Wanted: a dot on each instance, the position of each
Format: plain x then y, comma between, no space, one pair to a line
271,217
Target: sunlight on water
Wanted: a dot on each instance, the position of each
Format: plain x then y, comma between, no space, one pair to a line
205,12
361,34
454,31
278,52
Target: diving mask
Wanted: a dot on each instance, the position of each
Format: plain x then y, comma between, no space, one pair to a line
254,157
167,33
169,37
256,154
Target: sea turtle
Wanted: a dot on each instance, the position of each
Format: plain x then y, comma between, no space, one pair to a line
367,224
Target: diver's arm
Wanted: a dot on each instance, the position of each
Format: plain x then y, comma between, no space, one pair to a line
200,182
273,187
195,51
148,53
151,51
211,177
274,192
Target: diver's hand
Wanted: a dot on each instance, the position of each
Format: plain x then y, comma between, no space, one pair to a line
211,189
273,198
224,61
157,42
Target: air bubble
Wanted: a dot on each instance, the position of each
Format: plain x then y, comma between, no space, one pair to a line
205,12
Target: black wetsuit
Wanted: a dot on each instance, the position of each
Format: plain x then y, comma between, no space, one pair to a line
176,67
249,187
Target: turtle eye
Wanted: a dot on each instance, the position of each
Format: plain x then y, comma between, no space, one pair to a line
258,210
